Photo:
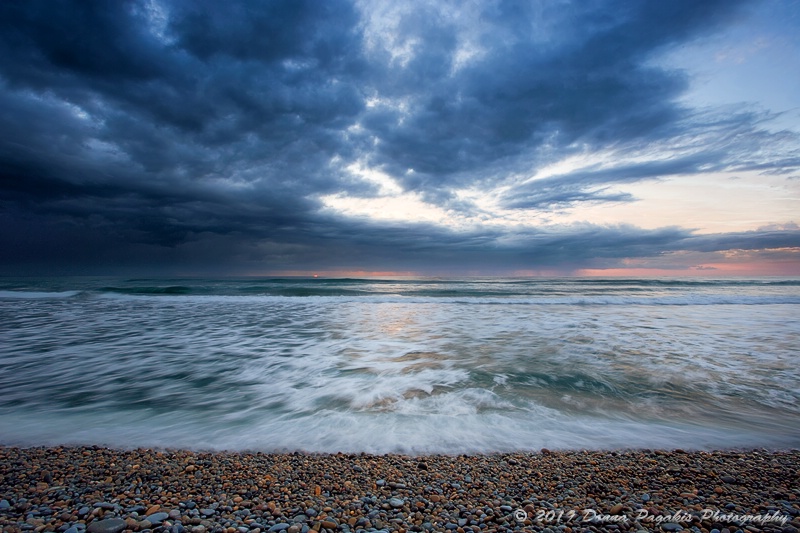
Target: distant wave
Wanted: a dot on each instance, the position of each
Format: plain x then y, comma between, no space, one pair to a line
687,282
304,291
172,289
310,296
572,291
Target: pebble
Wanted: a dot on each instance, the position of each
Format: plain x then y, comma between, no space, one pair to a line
396,502
157,518
111,525
104,505
319,493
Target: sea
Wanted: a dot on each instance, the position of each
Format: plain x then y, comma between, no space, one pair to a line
412,366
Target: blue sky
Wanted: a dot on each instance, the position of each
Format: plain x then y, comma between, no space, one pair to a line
434,138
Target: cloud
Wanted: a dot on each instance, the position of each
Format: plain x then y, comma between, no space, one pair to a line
583,81
205,135
577,186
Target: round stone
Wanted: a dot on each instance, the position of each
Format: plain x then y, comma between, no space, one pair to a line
157,518
396,502
111,525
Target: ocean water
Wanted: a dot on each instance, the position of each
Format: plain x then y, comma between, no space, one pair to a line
410,366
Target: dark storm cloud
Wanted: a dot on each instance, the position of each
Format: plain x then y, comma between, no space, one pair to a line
590,86
571,247
764,238
204,133
158,136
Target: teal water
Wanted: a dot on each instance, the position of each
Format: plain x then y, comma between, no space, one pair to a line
411,365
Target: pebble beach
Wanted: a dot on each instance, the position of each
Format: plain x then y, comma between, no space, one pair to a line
101,490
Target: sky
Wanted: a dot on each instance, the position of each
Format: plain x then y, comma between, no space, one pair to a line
298,137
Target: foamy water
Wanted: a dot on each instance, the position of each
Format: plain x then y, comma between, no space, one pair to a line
413,366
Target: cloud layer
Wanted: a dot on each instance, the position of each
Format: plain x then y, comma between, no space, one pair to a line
207,136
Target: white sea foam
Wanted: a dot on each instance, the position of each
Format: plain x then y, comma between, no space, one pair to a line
333,431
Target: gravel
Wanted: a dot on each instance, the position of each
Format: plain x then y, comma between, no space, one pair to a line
93,489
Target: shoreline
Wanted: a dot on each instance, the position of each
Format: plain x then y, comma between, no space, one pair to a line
103,490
